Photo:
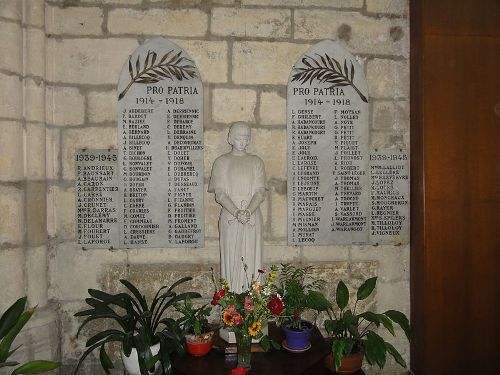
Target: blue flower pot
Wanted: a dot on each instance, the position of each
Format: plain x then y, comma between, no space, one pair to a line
298,340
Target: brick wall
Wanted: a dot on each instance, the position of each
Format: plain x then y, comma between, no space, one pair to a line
244,50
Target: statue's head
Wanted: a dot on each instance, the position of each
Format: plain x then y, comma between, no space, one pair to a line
239,136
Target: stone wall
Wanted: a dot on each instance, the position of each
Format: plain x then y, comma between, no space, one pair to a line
23,180
62,95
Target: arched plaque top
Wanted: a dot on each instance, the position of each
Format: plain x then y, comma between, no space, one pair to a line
329,65
157,60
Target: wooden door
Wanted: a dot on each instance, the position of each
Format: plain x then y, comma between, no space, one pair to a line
455,135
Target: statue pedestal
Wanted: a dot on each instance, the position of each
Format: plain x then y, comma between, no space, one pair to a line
229,336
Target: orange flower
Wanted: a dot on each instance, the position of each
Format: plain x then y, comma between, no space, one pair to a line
227,318
237,319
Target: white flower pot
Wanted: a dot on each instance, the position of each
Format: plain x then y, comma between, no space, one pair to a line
131,363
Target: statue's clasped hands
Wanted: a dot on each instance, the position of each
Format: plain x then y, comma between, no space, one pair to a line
243,216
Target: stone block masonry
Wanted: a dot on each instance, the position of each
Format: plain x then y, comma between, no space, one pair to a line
61,97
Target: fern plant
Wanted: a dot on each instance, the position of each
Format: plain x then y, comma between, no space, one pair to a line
299,292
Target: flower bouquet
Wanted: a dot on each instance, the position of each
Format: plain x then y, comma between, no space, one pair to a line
244,313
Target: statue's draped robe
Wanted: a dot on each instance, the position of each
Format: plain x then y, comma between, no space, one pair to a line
240,177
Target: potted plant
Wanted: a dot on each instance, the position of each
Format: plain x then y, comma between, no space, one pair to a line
300,292
147,337
244,313
11,323
352,333
195,326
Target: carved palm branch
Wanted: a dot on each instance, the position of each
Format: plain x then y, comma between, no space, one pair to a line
327,69
171,65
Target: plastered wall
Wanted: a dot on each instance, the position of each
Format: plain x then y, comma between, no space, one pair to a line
58,86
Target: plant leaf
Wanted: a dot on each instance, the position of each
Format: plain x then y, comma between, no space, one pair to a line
331,326
387,323
102,335
399,318
376,345
147,59
371,317
8,364
338,352
352,72
366,288
317,301
106,362
10,317
128,343
395,354
342,295
116,317
13,332
36,367
89,350
14,350
135,292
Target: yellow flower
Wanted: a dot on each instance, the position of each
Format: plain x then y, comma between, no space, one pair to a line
255,328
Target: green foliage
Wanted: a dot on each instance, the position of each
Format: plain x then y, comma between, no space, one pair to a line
351,331
300,292
140,325
193,320
11,323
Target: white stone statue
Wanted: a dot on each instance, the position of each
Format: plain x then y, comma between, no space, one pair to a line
239,182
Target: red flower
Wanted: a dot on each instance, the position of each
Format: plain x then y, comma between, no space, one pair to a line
217,296
239,371
296,314
275,305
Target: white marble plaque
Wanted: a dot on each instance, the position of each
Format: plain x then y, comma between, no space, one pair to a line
327,130
390,214
160,135
96,194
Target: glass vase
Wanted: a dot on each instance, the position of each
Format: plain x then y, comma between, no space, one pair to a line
244,345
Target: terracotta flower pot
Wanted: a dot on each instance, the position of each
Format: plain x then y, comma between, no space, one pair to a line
350,363
199,345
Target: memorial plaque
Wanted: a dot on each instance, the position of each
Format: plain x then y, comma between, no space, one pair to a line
96,189
327,129
160,133
389,179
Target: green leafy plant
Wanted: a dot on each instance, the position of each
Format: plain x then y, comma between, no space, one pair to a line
11,323
300,292
194,320
352,331
139,324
